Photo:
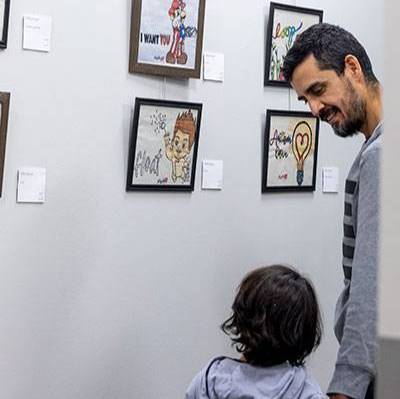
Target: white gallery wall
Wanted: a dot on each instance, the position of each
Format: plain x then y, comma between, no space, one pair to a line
389,326
390,271
109,294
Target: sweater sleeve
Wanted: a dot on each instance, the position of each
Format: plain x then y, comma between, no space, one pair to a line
356,361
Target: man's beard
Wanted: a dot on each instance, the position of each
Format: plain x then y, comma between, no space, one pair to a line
357,114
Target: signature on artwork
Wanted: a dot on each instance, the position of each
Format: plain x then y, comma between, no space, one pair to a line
162,181
283,176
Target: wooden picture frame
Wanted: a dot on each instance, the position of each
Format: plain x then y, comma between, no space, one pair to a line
163,145
285,23
290,151
4,110
4,17
167,37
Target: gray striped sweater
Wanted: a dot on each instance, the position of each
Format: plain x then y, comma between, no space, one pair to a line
356,310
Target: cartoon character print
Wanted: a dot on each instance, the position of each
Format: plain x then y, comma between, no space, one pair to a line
178,149
177,15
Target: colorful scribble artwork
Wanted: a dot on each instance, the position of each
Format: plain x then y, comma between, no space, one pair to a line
163,147
166,36
285,24
290,152
282,41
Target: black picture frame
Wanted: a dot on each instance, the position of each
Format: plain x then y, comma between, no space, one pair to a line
4,19
272,75
172,62
163,145
286,151
4,110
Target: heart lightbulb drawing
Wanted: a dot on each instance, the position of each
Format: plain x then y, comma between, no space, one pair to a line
301,146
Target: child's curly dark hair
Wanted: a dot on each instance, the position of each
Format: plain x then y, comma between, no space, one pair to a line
276,317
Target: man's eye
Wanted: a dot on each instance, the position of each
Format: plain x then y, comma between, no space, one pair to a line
318,91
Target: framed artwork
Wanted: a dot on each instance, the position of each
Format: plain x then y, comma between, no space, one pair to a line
167,37
163,145
290,151
4,15
284,25
4,106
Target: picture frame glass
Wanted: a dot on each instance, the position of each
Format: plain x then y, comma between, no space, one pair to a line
168,33
286,26
291,151
165,146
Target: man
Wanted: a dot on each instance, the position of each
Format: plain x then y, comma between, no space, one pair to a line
331,72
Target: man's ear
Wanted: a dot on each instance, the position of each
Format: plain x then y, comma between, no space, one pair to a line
352,68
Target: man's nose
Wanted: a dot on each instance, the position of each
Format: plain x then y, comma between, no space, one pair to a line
315,107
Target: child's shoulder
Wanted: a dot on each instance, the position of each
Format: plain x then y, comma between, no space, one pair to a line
216,362
312,389
201,384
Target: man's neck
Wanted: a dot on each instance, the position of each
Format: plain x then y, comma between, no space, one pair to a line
374,110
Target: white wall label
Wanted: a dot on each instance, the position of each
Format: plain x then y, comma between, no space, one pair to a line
330,179
213,67
31,185
212,175
37,33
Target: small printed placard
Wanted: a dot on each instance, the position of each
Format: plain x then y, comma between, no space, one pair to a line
37,33
330,180
213,68
212,175
31,185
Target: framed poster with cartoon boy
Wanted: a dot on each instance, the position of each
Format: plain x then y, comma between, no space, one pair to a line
167,37
163,145
285,23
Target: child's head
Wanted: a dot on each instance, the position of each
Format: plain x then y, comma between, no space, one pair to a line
275,317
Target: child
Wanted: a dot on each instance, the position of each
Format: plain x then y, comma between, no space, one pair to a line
275,325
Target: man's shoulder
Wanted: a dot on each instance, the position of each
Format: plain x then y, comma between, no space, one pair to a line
373,151
375,141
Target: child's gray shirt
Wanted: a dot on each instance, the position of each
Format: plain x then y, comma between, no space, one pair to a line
225,378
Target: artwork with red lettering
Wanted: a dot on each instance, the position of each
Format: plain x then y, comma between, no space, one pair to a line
167,37
284,25
290,151
163,146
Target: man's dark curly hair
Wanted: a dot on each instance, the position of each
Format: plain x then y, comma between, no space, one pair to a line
275,318
330,44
